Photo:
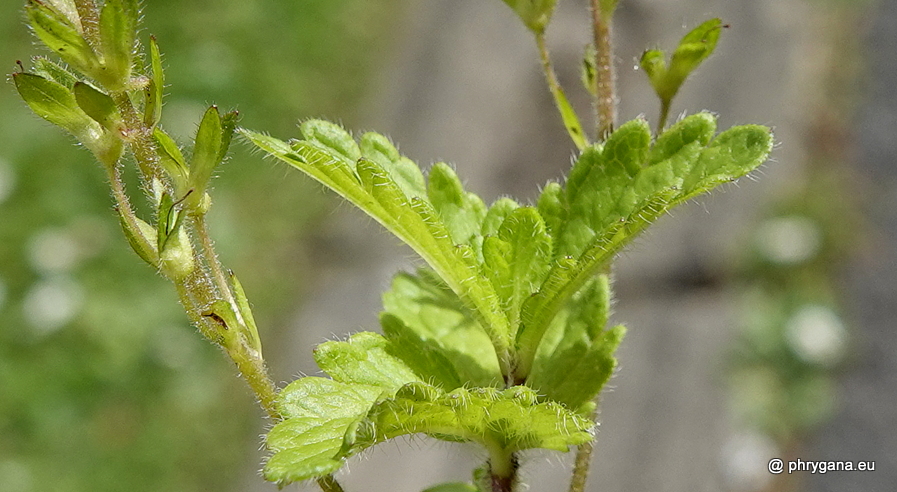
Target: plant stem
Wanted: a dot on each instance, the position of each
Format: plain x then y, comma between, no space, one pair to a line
605,94
664,114
568,115
329,484
208,249
502,466
583,461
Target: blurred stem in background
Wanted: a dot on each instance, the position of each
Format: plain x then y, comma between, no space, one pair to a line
795,339
102,378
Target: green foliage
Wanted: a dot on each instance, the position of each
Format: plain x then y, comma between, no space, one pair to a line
500,340
528,273
374,396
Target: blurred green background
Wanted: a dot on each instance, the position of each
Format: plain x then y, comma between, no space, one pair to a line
103,383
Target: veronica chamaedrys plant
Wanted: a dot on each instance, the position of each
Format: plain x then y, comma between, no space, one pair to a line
500,340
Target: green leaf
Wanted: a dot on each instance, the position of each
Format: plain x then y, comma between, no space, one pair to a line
415,221
518,258
608,205
402,170
732,154
575,357
364,359
118,33
535,14
332,138
506,421
552,206
461,212
431,325
317,414
97,105
152,111
496,215
62,35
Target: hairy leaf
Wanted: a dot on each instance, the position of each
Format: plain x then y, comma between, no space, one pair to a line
317,414
508,421
328,157
420,308
364,359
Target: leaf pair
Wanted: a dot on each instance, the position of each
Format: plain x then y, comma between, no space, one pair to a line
375,396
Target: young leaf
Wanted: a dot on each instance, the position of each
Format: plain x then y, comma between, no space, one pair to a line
59,33
517,260
56,104
247,324
118,33
143,239
207,150
732,154
589,71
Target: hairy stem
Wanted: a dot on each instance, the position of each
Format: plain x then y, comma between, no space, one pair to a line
605,92
502,468
329,484
217,270
583,461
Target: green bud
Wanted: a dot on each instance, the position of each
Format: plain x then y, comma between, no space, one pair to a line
57,27
693,49
535,14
